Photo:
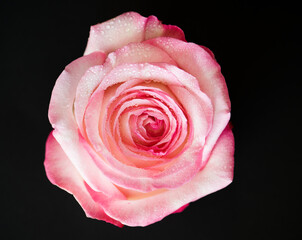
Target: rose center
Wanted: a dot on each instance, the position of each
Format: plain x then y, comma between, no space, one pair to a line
154,127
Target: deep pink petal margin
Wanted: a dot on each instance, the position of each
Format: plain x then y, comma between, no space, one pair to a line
62,173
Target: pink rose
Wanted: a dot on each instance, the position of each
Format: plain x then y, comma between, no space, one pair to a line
140,123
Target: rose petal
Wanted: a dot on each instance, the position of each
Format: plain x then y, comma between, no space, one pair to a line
155,28
86,86
115,33
81,160
126,28
62,173
61,104
139,53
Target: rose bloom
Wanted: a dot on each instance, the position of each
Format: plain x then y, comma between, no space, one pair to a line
141,123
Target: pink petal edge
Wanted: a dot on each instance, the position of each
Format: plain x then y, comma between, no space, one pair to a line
62,173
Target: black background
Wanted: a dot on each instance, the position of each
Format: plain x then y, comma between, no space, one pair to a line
259,49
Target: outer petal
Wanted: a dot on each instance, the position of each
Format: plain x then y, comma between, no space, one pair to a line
126,28
85,88
200,63
139,53
217,174
66,130
62,173
61,104
155,28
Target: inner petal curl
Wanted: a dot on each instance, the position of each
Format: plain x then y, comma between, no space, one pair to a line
146,122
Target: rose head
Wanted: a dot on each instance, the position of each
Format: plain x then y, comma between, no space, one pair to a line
140,123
